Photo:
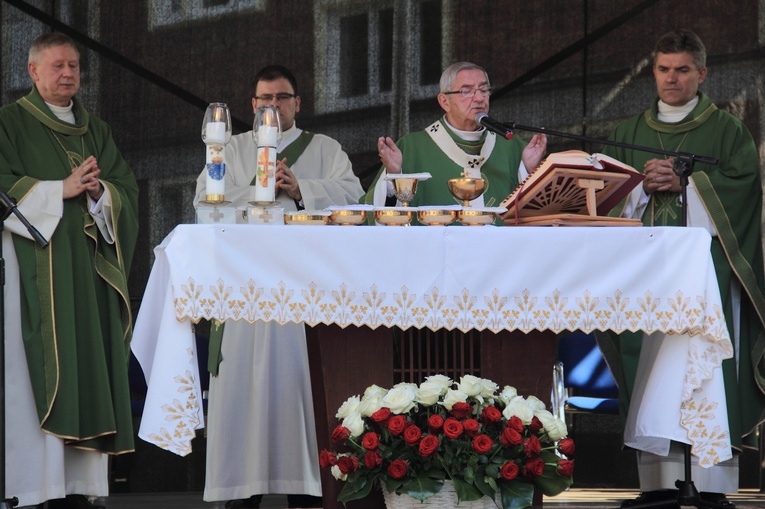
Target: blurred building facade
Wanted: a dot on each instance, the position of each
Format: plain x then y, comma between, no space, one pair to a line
368,68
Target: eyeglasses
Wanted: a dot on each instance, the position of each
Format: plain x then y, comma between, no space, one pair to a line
270,97
469,93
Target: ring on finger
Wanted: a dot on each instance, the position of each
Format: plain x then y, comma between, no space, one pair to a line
83,181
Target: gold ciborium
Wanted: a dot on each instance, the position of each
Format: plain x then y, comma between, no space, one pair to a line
467,188
404,189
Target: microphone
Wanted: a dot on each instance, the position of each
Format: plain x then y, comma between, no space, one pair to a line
493,125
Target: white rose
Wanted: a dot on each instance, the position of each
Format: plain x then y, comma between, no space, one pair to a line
337,474
374,391
470,385
488,389
444,382
428,393
519,408
535,403
355,424
401,398
451,397
349,407
369,406
555,428
507,394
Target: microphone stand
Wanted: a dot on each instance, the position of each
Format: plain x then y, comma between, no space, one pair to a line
8,207
687,494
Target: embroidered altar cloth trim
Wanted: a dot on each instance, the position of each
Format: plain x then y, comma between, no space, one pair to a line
483,278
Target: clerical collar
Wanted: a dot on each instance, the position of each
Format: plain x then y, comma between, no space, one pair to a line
672,114
63,113
465,135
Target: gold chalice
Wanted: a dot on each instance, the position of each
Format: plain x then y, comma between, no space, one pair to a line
467,188
404,188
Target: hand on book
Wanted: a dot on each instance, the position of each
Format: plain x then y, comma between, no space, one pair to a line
534,152
660,176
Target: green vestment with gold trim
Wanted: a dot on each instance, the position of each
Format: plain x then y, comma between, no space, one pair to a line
421,154
75,309
731,193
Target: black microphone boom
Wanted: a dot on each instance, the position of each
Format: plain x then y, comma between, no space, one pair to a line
494,126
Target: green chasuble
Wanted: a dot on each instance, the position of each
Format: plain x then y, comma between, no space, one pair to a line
422,154
732,196
75,310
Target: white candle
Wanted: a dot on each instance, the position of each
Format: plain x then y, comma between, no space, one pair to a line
215,132
265,182
267,136
215,187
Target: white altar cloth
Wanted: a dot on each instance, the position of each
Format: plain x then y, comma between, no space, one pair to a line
495,278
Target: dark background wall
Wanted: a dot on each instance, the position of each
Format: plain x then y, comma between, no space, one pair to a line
370,68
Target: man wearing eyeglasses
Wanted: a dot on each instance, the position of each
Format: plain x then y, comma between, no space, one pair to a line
456,145
261,435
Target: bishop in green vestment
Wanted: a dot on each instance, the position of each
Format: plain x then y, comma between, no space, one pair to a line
456,145
63,169
727,200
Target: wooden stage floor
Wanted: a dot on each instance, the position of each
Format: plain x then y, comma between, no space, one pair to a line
572,499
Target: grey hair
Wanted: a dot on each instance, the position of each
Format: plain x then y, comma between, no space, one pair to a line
449,76
50,40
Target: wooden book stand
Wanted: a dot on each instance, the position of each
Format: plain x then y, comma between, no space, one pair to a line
572,188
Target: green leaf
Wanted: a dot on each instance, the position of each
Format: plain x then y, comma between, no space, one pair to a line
484,483
551,482
466,492
356,490
422,487
517,494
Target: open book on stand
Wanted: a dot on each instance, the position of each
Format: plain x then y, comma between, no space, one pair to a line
572,188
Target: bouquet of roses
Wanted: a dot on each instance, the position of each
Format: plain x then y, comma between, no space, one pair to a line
486,441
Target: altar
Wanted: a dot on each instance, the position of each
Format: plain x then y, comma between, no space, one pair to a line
359,282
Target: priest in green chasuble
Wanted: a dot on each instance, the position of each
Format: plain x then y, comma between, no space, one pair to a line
67,310
456,146
726,199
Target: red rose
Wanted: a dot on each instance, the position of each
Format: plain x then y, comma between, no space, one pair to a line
412,435
491,415
516,423
381,416
340,434
372,459
471,427
482,444
566,446
531,446
435,423
566,468
452,428
327,459
462,410
510,437
397,424
398,468
348,464
534,468
428,445
509,471
535,425
370,441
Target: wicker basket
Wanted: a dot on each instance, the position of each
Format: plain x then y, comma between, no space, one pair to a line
444,499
